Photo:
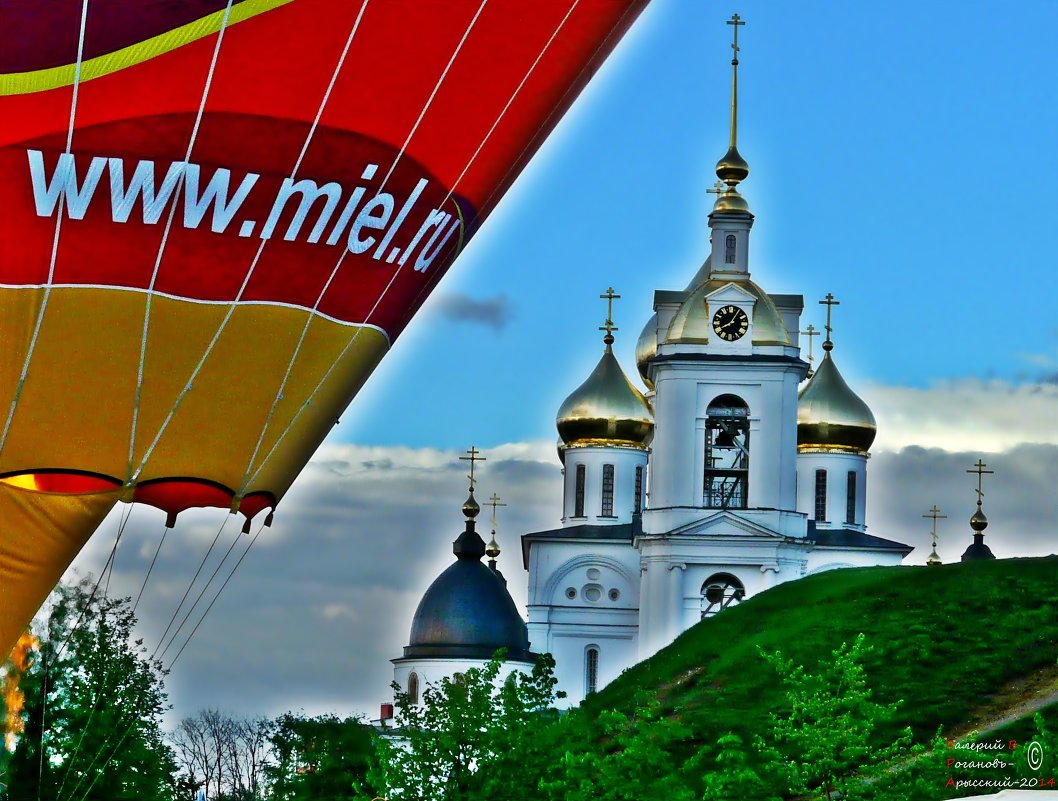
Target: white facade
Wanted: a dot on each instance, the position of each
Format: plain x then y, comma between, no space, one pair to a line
846,507
432,671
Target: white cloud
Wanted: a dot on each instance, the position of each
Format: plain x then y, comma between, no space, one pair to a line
968,415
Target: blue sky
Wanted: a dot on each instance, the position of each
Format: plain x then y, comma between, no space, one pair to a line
903,158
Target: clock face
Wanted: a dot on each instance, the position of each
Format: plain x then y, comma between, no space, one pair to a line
730,323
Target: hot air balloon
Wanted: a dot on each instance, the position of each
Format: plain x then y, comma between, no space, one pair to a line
217,217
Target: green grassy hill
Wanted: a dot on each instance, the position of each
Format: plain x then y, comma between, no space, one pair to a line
949,642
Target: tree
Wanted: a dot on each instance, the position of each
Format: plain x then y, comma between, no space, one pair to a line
452,745
317,759
93,707
827,734
635,759
222,755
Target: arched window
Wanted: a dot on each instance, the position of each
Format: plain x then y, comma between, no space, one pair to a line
578,497
850,499
638,503
729,255
726,454
719,592
821,495
591,669
607,491
413,687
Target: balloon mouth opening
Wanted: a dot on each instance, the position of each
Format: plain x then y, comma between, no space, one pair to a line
171,495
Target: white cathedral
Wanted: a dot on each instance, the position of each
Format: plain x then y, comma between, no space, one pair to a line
724,480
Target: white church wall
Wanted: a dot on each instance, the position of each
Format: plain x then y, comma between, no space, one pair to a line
625,462
838,465
432,671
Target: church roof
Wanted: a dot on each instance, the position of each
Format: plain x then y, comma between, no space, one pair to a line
623,532
467,613
851,538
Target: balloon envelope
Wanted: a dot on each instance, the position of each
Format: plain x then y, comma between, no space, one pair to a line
216,218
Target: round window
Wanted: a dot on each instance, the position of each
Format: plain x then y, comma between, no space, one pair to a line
614,595
593,573
571,593
592,593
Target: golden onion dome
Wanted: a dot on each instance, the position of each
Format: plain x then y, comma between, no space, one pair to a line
830,416
693,324
646,348
606,410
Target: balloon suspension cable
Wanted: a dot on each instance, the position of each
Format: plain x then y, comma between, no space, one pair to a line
202,592
67,153
143,586
117,748
187,592
149,304
352,341
134,474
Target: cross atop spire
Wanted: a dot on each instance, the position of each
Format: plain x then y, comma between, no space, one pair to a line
830,303
494,501
735,22
609,327
811,333
935,515
473,457
979,468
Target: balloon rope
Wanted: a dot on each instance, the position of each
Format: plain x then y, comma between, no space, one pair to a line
54,241
132,725
201,593
260,528
187,592
319,299
165,237
123,521
158,550
249,478
134,475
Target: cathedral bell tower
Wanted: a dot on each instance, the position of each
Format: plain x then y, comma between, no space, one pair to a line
722,358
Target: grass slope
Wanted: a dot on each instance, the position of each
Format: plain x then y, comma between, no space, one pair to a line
944,639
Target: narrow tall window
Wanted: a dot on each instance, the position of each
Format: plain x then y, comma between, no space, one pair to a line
413,687
726,454
578,498
591,670
850,503
607,490
821,495
729,256
638,504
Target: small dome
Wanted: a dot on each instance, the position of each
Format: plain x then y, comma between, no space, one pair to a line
468,613
646,348
831,416
693,324
606,410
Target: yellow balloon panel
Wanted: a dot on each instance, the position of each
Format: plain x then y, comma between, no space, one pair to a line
41,535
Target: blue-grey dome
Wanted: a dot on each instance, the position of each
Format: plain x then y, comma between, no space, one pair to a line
468,613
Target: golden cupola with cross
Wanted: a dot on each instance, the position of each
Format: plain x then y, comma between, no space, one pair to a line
606,409
830,416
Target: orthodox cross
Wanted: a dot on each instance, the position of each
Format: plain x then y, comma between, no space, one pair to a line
811,333
609,327
736,21
717,189
473,457
830,303
935,515
979,468
494,501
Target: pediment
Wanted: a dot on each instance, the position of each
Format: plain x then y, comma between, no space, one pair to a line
730,293
725,523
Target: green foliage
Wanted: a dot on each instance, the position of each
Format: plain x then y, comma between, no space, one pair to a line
101,734
317,759
635,760
734,776
452,745
827,732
